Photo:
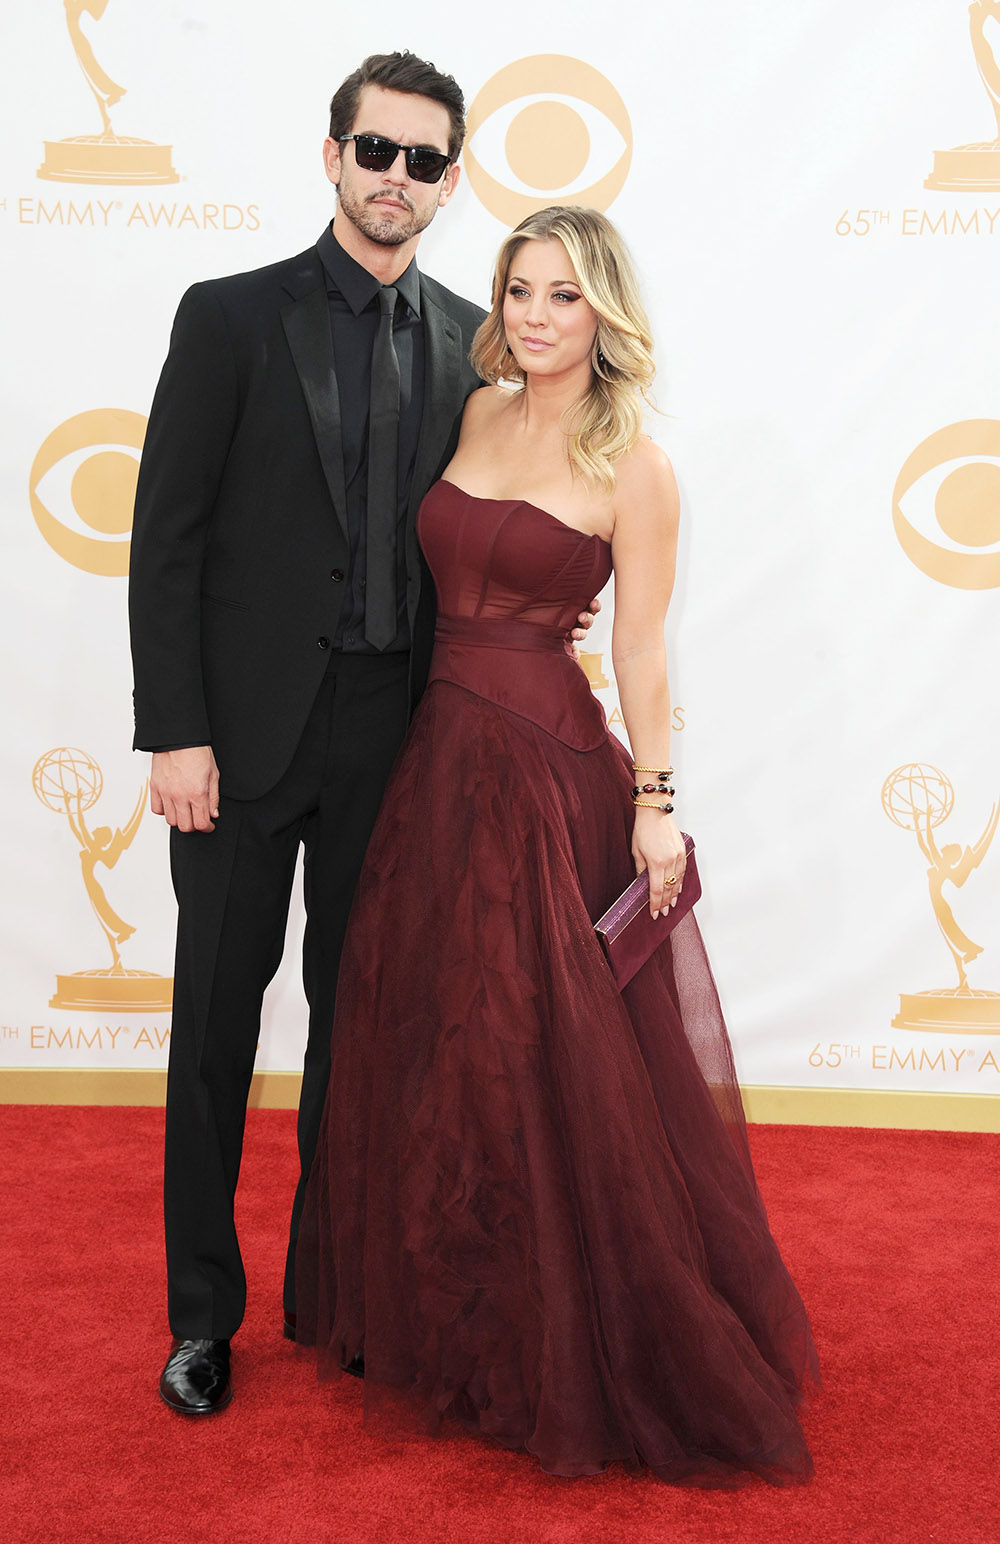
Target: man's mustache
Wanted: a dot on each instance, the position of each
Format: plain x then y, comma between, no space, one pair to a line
392,198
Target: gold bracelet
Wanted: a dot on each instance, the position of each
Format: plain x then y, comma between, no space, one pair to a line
668,773
644,804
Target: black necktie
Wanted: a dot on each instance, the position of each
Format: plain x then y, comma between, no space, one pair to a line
381,613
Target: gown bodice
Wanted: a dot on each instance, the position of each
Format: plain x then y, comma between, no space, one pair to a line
511,581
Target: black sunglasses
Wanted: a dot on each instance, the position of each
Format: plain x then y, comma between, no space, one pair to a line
376,154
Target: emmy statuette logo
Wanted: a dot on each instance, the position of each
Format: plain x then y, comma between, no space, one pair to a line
69,782
544,130
918,797
975,167
106,157
592,666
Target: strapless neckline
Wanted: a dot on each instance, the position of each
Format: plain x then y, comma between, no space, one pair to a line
479,498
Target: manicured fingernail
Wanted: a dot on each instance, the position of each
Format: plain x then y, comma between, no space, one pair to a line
655,915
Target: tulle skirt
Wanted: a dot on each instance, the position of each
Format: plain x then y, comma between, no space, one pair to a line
532,1209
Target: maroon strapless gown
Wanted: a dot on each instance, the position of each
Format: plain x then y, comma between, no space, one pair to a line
532,1208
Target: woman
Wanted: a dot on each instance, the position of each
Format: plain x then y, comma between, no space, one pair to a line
533,1209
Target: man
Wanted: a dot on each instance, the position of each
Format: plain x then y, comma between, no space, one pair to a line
282,622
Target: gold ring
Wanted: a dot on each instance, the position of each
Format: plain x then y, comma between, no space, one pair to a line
672,880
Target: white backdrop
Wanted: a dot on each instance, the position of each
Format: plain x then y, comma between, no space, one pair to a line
819,313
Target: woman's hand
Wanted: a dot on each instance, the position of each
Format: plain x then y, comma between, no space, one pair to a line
657,845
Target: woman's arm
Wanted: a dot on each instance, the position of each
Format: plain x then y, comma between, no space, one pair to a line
644,553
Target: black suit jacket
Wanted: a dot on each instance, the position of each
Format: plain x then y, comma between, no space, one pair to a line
240,522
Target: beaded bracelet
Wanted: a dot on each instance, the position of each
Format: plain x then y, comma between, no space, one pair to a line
662,786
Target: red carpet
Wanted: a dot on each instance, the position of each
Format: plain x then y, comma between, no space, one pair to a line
891,1236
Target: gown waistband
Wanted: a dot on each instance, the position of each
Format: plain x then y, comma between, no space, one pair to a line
493,659
502,633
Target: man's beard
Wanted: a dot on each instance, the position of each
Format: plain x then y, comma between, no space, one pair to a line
380,227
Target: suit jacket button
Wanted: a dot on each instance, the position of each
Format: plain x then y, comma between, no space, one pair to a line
324,643
338,574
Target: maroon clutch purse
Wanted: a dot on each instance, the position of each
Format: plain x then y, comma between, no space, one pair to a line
627,931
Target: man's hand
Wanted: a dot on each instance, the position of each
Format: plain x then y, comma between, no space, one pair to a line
585,623
184,788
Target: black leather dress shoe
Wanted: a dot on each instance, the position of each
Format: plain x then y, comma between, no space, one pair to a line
196,1379
288,1327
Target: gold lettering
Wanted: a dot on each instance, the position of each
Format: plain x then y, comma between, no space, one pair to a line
989,1060
933,226
101,215
895,1060
909,215
877,1052
677,718
36,1030
144,1037
928,1061
958,223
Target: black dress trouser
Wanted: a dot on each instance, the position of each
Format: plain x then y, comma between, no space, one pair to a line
233,886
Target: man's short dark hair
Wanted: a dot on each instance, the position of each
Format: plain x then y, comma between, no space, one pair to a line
400,72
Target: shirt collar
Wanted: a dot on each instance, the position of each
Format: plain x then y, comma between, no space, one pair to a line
356,284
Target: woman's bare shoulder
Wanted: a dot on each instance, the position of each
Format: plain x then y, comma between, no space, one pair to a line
483,409
644,479
486,401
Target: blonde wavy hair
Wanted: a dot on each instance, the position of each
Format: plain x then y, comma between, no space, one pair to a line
607,420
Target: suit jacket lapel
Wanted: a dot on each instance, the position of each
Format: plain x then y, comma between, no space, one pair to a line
442,406
306,321
442,395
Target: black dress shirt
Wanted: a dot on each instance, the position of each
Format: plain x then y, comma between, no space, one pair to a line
352,296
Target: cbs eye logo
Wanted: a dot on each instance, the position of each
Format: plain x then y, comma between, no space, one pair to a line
83,472
544,130
949,525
